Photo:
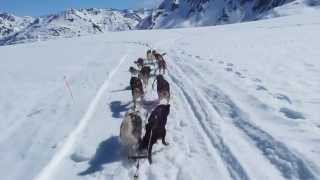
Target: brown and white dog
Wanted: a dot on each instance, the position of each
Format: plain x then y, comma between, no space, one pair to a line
155,129
157,55
162,65
131,131
136,90
163,88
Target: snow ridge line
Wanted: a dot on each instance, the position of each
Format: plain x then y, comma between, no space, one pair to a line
288,163
233,166
67,147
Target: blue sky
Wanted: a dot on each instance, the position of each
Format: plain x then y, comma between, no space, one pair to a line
43,7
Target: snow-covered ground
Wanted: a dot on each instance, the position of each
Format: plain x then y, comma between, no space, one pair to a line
245,104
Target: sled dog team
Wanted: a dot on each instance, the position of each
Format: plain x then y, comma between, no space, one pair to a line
131,136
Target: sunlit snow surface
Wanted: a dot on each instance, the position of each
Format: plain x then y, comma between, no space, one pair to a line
245,104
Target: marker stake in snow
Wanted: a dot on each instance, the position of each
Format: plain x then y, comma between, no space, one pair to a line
66,149
68,87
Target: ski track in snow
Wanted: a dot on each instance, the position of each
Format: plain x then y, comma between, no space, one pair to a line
288,163
203,116
67,147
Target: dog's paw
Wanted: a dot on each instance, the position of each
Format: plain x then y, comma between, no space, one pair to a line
165,143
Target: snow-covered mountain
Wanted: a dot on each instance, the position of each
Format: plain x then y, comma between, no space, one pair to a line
294,8
73,22
170,14
10,24
186,13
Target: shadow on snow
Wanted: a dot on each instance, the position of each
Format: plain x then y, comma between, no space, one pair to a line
128,88
108,151
117,108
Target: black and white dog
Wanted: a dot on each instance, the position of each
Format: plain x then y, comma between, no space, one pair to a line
134,71
139,63
155,129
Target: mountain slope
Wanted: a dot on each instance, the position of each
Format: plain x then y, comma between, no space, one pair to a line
190,13
73,22
10,24
240,109
294,8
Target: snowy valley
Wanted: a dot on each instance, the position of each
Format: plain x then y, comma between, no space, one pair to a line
245,99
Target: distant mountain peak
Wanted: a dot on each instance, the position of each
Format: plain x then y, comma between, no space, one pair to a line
69,23
184,13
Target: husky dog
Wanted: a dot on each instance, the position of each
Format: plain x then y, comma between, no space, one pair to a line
154,52
162,66
150,57
136,90
139,63
131,131
155,129
163,88
133,71
157,55
144,75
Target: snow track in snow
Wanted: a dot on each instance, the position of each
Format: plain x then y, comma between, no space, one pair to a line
198,105
287,162
69,143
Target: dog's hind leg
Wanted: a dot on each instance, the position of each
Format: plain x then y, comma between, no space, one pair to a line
150,154
145,82
150,144
168,97
163,138
134,104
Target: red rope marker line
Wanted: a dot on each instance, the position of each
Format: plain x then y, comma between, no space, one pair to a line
68,86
